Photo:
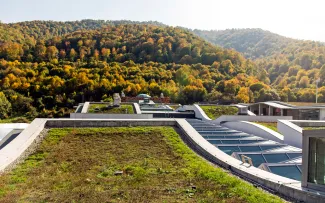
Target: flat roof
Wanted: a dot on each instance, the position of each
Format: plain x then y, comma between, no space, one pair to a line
283,105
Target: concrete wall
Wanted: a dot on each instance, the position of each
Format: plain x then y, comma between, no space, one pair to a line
137,109
21,147
322,114
256,129
291,132
85,107
251,118
108,116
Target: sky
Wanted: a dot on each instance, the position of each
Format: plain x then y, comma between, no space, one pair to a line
300,19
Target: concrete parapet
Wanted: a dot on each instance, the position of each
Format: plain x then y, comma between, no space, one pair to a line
291,132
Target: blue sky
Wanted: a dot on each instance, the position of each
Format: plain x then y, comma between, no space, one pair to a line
292,18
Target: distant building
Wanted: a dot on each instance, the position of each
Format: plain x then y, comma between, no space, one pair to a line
276,108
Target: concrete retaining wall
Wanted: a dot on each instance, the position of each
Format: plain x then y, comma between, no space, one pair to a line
256,129
291,132
110,116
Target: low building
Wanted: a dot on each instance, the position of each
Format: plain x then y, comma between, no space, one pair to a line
276,108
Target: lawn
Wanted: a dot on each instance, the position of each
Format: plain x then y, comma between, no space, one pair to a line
215,112
272,126
115,110
137,164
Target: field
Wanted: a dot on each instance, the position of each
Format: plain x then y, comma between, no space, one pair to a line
138,164
116,110
215,112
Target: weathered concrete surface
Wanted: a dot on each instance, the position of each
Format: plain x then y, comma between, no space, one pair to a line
256,129
109,116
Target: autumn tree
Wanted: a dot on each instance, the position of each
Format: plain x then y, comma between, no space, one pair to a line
5,106
243,95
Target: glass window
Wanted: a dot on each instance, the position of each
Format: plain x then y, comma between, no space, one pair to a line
257,159
316,162
213,137
250,141
267,147
229,149
233,137
230,141
294,155
215,141
250,148
275,158
287,171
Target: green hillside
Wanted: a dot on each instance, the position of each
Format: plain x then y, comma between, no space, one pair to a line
291,66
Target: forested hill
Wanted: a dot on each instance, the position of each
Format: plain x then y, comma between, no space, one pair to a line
256,43
31,31
289,65
123,42
44,74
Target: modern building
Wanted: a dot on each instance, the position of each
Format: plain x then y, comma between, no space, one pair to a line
314,159
276,108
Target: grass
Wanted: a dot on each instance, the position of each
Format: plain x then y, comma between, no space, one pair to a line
305,103
314,128
115,110
174,106
272,126
79,166
215,112
15,120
